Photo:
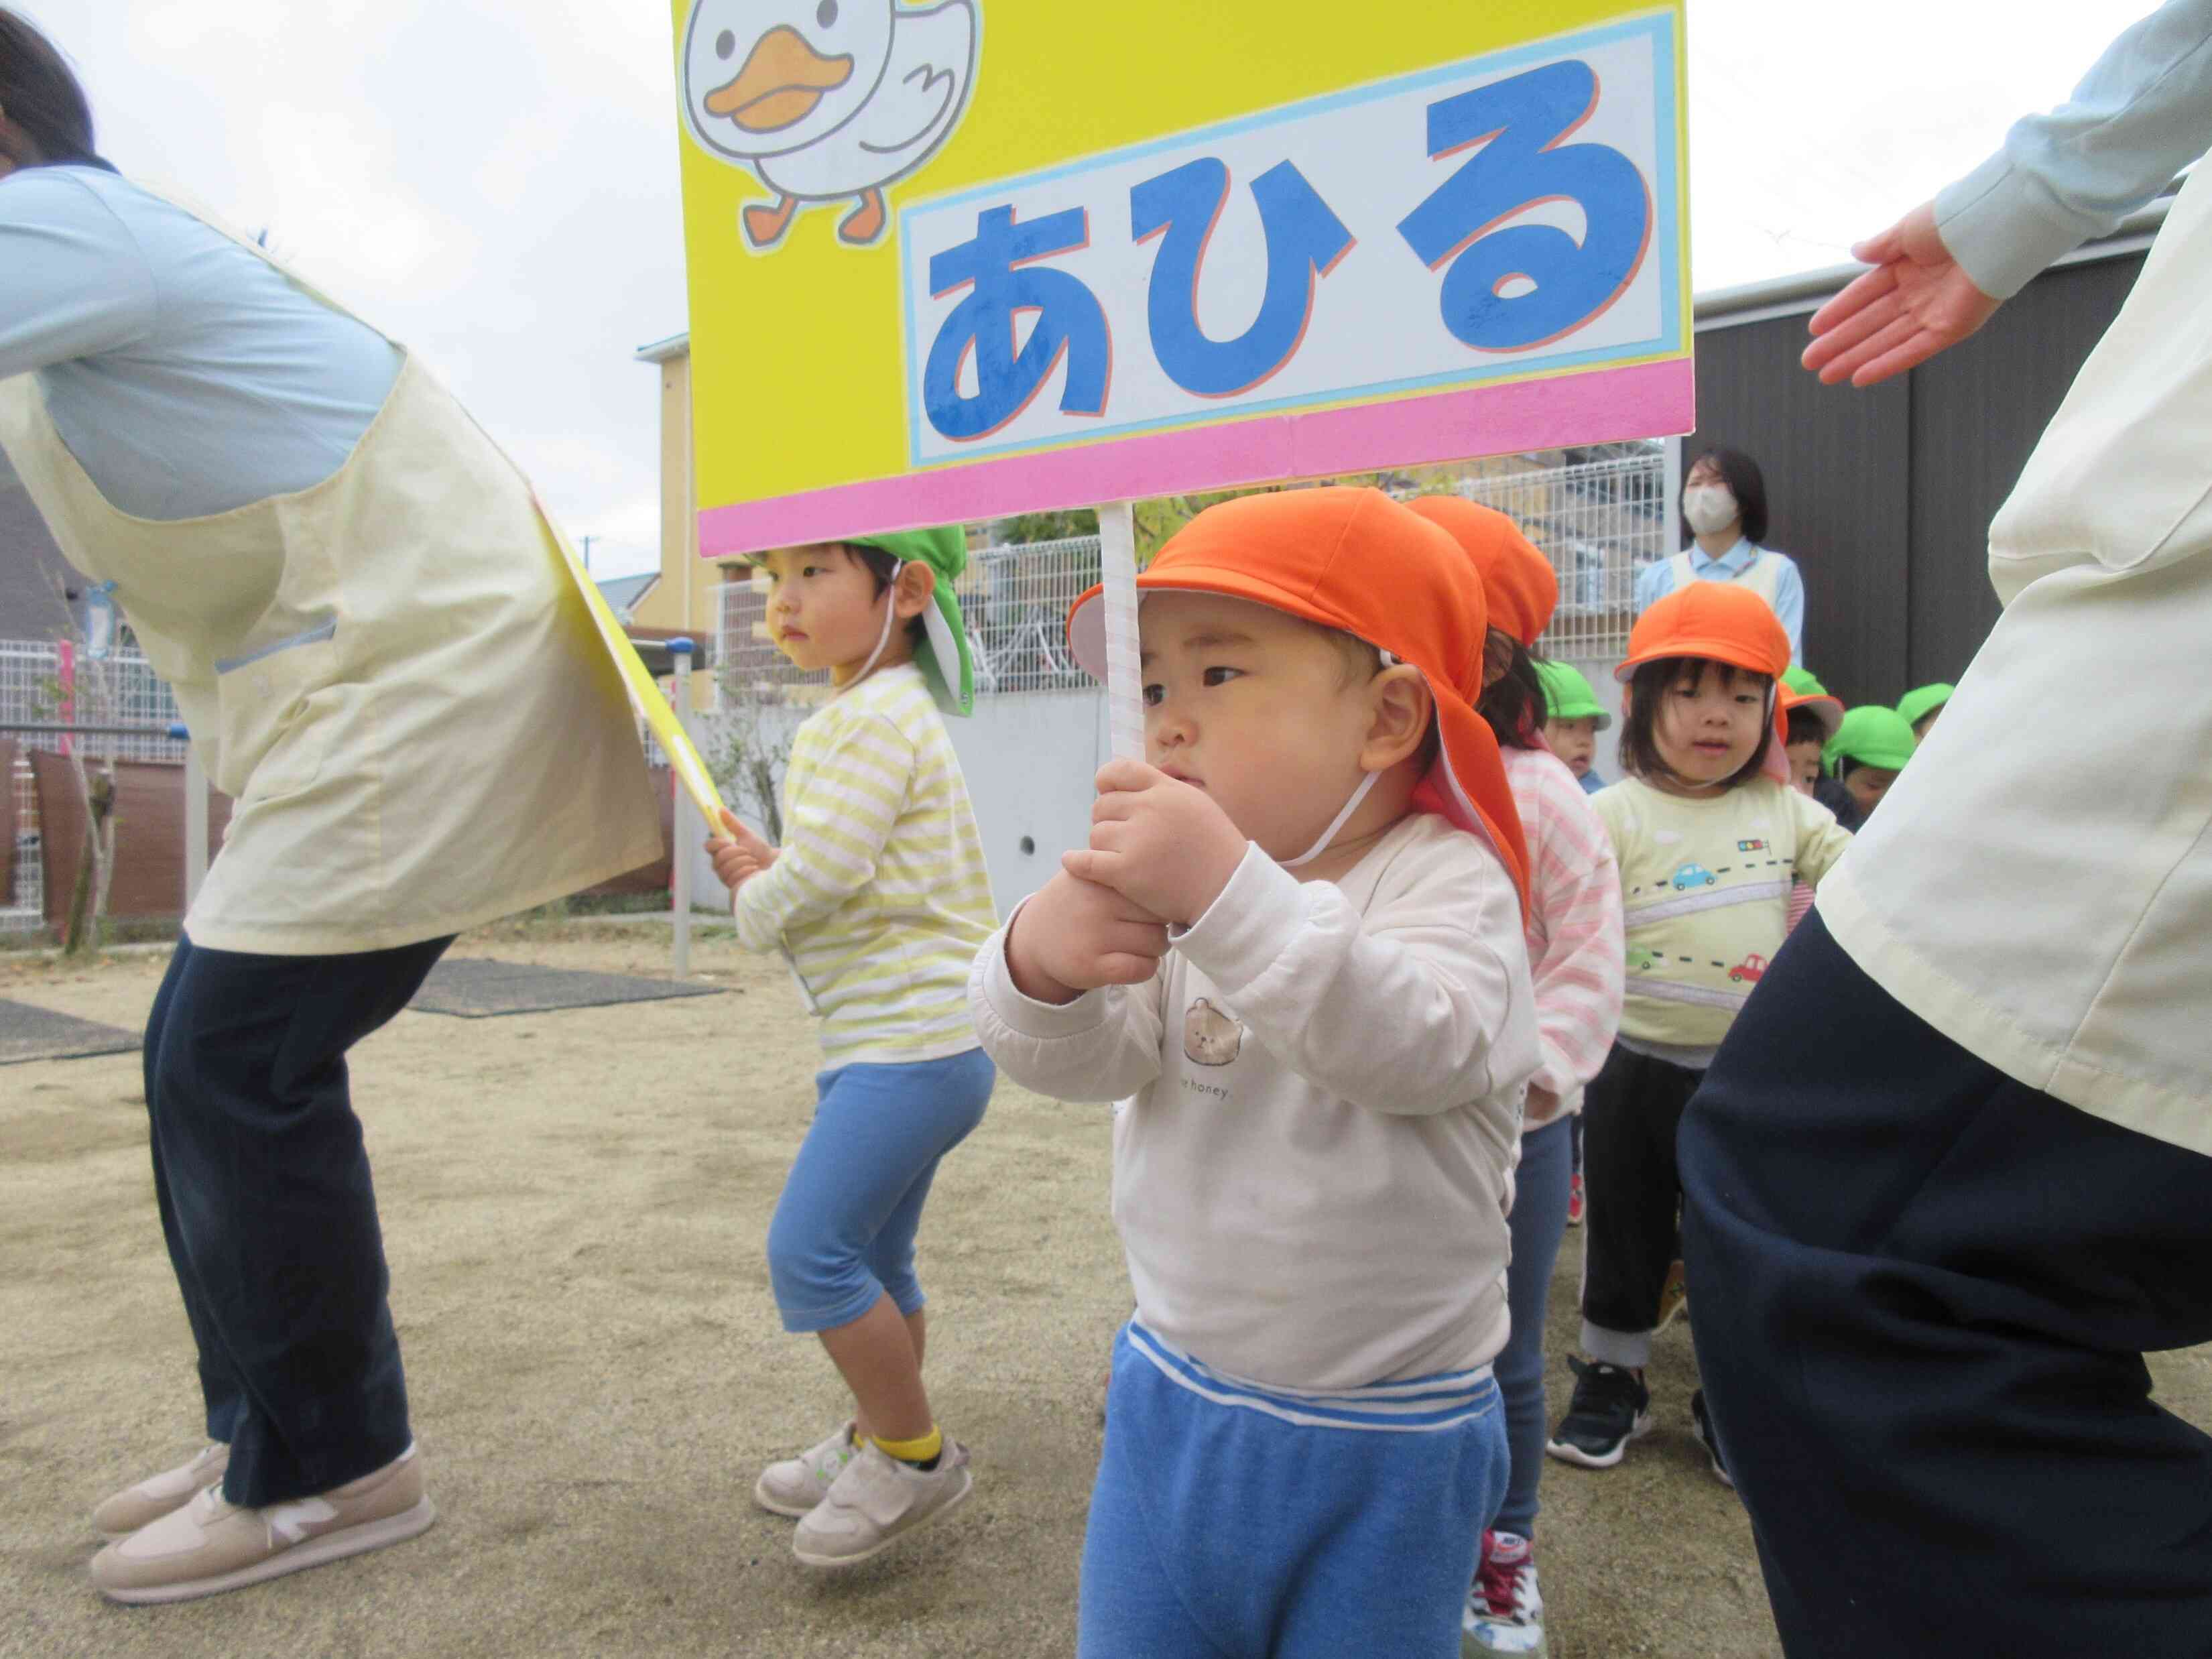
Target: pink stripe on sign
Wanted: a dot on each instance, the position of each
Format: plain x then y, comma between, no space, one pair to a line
1644,400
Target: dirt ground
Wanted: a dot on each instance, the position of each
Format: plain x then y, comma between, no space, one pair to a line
573,1206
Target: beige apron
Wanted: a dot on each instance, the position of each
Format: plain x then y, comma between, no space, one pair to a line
1762,576
391,672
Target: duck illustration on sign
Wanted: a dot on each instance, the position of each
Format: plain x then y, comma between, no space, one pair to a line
826,100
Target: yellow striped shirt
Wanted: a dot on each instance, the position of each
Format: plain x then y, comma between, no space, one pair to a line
878,893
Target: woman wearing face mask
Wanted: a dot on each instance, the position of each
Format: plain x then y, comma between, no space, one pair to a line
1724,514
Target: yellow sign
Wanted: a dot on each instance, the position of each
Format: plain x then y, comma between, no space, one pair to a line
952,261
644,691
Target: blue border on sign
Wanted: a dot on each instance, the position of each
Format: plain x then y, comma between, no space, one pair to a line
1659,26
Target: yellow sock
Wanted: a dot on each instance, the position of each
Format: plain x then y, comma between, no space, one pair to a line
913,1451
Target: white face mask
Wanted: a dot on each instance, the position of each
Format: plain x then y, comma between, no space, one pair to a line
1710,507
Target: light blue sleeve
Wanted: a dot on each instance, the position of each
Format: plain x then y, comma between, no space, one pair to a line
2140,116
73,281
1654,583
1790,603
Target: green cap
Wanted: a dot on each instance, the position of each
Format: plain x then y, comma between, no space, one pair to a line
942,654
1568,696
1872,736
1918,706
1805,683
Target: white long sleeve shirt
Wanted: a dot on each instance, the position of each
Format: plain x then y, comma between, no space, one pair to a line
2038,884
1312,1178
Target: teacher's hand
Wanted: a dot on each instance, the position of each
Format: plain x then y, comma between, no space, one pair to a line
1916,300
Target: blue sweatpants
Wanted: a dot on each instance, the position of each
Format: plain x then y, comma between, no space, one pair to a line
1220,1528
1538,1223
843,1232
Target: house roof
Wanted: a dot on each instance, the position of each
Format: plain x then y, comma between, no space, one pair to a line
624,593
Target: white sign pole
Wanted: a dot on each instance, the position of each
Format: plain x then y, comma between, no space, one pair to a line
680,897
1124,685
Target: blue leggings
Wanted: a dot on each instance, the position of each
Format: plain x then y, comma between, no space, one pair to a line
1539,1222
1222,1532
843,1233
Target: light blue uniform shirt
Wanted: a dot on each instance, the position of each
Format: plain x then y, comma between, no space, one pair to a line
2142,114
1656,582
186,375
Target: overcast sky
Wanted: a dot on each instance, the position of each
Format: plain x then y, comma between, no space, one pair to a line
494,181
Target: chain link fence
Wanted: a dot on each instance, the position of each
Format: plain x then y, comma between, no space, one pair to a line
44,682
1600,523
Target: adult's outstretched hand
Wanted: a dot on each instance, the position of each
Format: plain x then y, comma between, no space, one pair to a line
1915,301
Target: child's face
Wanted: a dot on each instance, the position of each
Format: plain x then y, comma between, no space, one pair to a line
1262,711
1805,764
823,611
1708,723
1866,785
1574,742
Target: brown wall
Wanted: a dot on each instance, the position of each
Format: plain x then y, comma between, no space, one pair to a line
149,836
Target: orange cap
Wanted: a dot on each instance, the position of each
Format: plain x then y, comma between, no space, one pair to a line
1717,621
1355,560
1720,622
1517,580
1829,708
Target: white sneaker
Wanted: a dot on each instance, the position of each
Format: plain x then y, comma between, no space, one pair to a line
141,1505
210,1545
1504,1609
876,1500
793,1486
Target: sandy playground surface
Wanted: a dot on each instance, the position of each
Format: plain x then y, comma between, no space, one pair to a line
574,1204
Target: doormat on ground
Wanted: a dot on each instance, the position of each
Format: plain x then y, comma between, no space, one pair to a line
477,988
29,1033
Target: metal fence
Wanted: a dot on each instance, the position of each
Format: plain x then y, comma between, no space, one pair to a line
51,682
1013,599
1600,523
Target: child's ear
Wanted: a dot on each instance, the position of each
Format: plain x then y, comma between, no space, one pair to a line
1399,716
916,591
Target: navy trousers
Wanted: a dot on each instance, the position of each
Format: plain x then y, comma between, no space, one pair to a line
1923,1292
266,1206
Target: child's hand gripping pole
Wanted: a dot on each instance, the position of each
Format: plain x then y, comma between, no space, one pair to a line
1124,682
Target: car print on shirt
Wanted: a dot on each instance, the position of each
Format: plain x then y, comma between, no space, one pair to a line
1642,959
1693,875
1749,971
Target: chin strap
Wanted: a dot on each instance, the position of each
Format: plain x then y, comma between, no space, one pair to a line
890,613
1351,806
1335,824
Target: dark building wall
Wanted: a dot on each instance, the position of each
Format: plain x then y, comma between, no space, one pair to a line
1884,496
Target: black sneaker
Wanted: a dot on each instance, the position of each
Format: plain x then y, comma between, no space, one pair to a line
1610,1408
1701,1425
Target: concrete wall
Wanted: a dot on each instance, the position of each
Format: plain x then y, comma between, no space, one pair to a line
1029,762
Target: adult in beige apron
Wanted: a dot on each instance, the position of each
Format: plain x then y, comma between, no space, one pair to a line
1950,1177
392,674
